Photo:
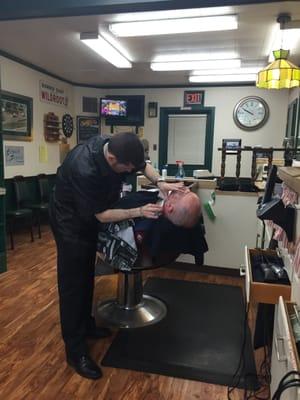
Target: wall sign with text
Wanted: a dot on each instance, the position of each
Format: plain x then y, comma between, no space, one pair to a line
52,94
193,98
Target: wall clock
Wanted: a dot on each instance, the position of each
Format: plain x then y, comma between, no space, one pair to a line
67,125
251,113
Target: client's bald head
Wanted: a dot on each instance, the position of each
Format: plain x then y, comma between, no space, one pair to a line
182,208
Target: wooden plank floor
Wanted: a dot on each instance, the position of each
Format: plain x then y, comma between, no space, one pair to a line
31,350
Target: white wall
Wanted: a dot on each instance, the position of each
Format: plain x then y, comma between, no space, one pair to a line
17,78
224,100
22,80
294,94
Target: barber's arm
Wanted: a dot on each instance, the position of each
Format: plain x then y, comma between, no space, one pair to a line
114,215
156,179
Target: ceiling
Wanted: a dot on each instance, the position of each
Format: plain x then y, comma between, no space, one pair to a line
53,45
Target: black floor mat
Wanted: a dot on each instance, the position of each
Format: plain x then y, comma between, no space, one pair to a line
201,337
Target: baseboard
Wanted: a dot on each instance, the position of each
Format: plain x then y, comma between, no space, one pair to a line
204,269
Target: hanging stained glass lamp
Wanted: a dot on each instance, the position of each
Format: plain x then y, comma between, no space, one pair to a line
280,74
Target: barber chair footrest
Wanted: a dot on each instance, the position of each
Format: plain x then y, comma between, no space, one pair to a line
149,311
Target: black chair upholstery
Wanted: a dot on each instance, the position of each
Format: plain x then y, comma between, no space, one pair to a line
23,210
44,194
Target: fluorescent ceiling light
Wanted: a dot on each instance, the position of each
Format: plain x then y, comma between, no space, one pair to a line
172,26
105,50
167,14
229,71
190,65
224,78
116,44
195,56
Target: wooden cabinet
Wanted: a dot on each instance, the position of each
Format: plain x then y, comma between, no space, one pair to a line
234,227
284,352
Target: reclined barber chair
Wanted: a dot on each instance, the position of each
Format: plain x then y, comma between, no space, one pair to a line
132,308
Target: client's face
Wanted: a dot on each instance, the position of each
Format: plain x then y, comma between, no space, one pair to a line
182,208
174,200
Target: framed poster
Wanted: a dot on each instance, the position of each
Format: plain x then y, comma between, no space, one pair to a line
87,127
14,155
16,111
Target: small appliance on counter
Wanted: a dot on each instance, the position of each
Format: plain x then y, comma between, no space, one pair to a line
202,174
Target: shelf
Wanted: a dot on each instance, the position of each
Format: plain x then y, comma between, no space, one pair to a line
52,127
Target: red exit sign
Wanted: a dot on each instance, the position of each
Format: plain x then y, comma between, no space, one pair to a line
193,98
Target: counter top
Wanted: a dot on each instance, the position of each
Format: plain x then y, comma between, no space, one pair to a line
201,183
236,193
2,191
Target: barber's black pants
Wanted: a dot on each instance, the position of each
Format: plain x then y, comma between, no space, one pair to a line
75,276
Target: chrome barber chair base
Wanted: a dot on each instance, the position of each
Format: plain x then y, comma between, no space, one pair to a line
149,311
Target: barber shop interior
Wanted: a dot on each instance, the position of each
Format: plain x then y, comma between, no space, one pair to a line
149,198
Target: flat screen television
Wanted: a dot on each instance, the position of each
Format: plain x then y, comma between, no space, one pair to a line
135,110
114,108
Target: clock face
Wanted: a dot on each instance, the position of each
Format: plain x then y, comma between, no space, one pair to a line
251,113
67,125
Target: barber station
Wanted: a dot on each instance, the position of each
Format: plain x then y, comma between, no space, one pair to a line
149,200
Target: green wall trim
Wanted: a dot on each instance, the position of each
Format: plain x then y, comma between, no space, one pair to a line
163,138
34,67
95,86
3,265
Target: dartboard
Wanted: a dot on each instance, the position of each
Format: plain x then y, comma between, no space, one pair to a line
67,125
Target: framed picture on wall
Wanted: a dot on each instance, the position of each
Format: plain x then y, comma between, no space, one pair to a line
16,112
291,125
87,127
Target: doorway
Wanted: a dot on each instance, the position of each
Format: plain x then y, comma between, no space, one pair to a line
186,135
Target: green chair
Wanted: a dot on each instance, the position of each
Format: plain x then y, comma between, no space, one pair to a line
43,205
22,211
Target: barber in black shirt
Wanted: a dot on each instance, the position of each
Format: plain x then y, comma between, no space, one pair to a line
87,184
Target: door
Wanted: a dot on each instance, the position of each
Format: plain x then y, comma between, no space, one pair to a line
186,135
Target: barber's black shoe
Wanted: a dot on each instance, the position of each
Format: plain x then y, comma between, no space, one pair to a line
85,366
98,333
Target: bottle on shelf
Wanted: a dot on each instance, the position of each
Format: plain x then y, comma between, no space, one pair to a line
164,171
180,170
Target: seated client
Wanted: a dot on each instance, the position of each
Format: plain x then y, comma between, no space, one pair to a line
179,225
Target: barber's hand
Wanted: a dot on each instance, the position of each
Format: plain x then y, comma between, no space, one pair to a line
150,211
166,187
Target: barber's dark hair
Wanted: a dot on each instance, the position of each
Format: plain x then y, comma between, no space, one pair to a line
127,148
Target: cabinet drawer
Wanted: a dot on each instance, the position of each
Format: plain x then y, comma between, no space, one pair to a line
294,362
284,354
262,292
